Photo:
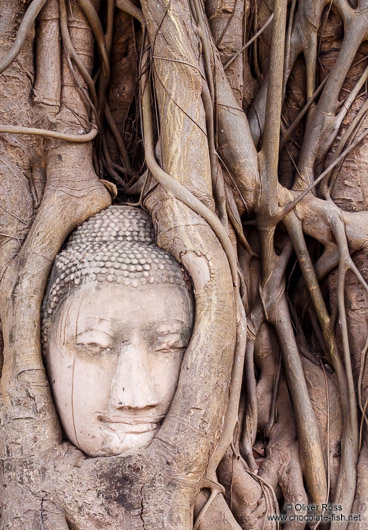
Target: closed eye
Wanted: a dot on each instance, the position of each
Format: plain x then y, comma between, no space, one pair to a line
172,352
93,348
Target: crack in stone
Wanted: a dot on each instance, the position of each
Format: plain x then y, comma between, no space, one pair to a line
142,507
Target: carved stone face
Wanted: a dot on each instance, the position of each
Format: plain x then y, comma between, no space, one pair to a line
113,359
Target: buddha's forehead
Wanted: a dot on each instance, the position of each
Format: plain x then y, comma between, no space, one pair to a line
111,270
113,307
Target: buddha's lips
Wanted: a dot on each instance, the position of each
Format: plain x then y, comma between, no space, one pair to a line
135,426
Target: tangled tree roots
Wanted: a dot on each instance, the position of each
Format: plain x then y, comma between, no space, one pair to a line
242,128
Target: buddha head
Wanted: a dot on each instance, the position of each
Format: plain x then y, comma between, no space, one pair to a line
117,318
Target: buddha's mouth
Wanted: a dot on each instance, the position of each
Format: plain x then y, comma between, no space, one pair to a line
132,426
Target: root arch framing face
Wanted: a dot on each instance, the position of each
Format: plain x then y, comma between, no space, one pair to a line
215,375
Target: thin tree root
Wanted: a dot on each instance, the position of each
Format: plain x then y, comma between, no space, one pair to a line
76,138
215,488
24,28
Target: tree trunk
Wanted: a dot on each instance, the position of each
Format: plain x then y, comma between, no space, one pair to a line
241,128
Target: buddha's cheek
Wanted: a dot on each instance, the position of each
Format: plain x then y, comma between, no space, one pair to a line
164,371
91,395
81,387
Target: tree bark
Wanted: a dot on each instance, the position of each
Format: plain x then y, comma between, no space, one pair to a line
241,128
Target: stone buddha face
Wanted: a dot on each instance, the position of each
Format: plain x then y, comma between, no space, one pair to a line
115,337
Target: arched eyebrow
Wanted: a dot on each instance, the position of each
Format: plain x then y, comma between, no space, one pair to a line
166,327
88,323
174,328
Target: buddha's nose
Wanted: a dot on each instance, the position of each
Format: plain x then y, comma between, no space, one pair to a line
132,386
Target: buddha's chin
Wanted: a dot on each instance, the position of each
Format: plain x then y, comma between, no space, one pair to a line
117,444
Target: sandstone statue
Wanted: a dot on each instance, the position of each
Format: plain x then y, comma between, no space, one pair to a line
117,320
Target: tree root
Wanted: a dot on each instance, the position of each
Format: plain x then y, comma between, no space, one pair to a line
24,28
178,190
74,138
